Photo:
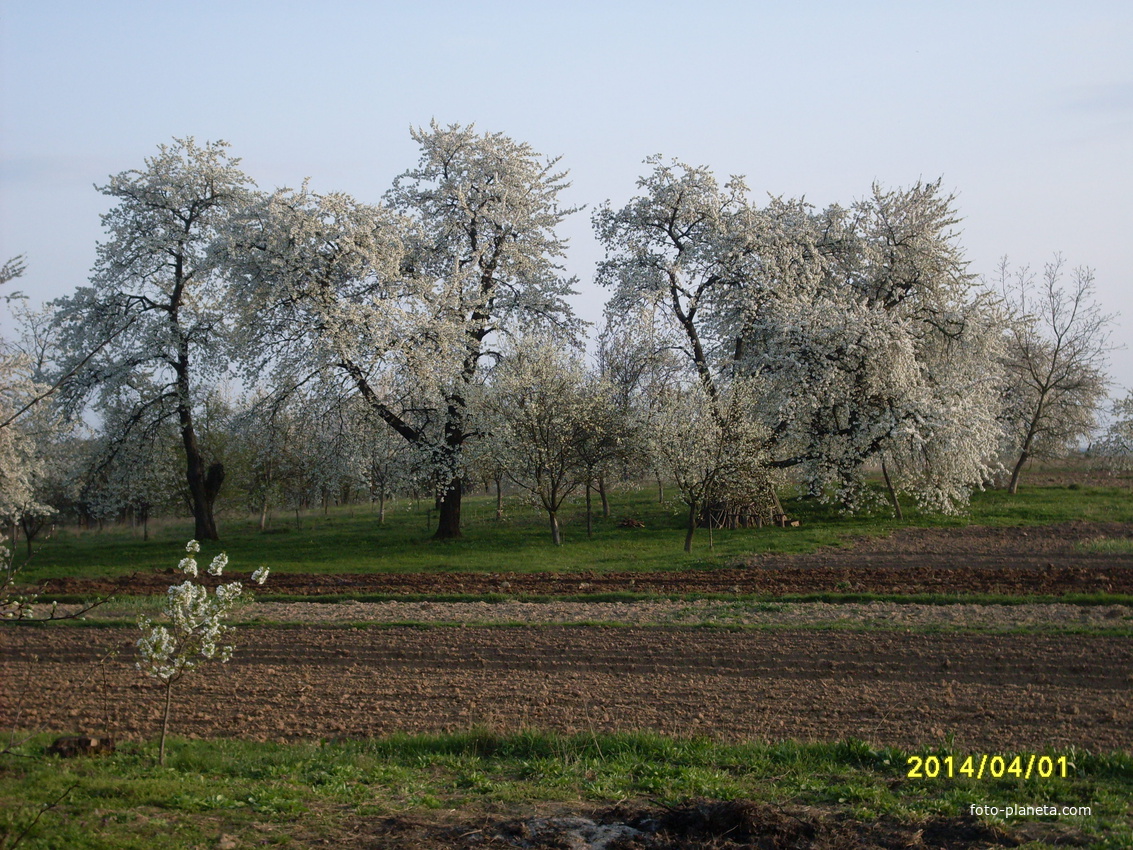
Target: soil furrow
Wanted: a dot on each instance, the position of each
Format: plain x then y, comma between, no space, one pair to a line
989,691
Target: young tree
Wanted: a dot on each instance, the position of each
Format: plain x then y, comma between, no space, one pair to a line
1116,445
156,293
541,416
711,447
193,631
603,439
399,302
1057,352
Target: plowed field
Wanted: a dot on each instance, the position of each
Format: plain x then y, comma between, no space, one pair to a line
992,692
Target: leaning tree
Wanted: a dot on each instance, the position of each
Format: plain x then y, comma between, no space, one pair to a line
1058,341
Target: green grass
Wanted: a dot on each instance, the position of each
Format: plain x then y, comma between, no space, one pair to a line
296,794
350,540
1108,545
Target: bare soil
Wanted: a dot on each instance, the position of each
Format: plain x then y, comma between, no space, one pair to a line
991,692
1044,560
1059,617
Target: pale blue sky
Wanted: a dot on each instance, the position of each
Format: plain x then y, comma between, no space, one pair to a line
1024,108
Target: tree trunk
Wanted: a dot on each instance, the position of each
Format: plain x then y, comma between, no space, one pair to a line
589,514
205,525
660,491
499,499
213,481
1013,487
382,507
892,492
691,526
556,534
195,478
264,515
448,524
602,494
164,723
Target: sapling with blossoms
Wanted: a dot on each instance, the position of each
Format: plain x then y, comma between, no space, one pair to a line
195,632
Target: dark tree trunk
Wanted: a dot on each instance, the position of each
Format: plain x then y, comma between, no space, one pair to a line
1025,449
602,494
30,531
556,533
892,492
1013,487
213,481
589,515
499,498
691,526
448,523
195,477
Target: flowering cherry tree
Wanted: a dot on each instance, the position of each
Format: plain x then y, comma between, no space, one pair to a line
539,415
712,449
862,328
193,631
398,303
156,294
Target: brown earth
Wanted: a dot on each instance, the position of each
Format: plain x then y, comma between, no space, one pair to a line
1043,560
991,692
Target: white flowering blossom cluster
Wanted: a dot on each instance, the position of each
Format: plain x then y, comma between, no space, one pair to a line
195,632
869,342
397,303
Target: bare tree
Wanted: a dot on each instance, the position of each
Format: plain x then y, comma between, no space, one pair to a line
1057,353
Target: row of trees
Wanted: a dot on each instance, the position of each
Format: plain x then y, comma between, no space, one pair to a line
431,333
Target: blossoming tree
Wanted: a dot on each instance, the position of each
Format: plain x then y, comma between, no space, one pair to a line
193,632
156,294
399,303
853,322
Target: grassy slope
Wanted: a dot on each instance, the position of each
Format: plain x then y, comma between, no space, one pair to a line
350,539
